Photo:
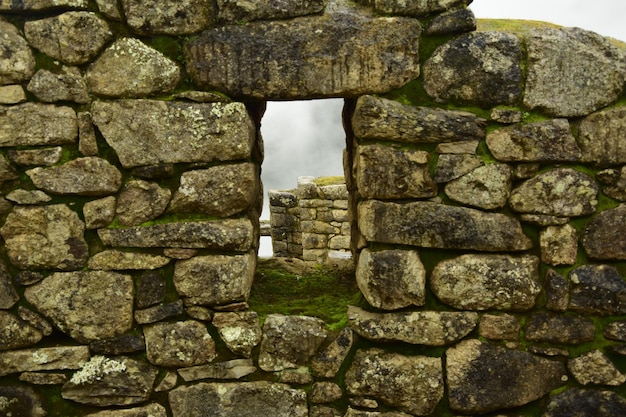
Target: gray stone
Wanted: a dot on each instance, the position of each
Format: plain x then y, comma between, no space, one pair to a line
180,253
248,399
215,279
359,413
212,132
506,115
430,328
486,187
172,17
557,291
47,237
179,344
479,68
129,68
203,97
235,369
614,182
87,305
454,21
159,312
409,177
379,118
601,137
290,341
461,147
595,368
222,190
325,392
26,197
413,8
237,11
562,192
499,327
559,328
17,62
487,282
35,124
323,411
99,213
546,141
597,289
42,156
452,166
154,172
604,236
527,170
21,401
40,5
586,403
391,279
544,220
106,381
7,170
327,362
150,410
483,378
240,331
616,331
409,383
559,245
126,343
298,376
73,37
43,359
67,84
571,72
335,54
25,278
43,378
115,260
16,333
35,320
150,289
169,381
8,295
110,9
438,226
141,201
87,141
91,176
12,94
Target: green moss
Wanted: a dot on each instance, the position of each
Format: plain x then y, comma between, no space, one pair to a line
335,180
514,26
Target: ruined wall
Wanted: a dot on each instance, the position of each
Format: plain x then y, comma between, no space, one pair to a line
486,179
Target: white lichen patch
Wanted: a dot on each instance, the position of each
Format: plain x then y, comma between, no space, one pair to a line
97,367
40,357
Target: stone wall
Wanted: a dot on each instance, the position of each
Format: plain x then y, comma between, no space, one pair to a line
311,222
486,181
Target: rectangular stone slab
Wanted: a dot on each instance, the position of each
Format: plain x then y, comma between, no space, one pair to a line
44,359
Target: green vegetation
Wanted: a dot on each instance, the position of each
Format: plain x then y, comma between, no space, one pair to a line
322,181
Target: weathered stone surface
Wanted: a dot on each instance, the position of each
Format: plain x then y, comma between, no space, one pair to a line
409,383
485,282
391,279
33,124
486,187
222,190
499,327
248,399
325,392
39,5
179,344
215,279
483,378
87,305
562,192
430,328
21,401
8,295
150,289
211,132
169,381
557,291
480,68
67,84
141,201
616,331
150,410
595,368
7,170
99,213
614,183
43,359
419,8
12,94
72,37
43,378
115,260
336,54
154,172
240,331
586,403
172,17
110,9
327,362
235,369
230,234
17,62
546,141
571,72
379,118
42,156
159,312
389,173
126,343
461,147
452,166
454,21
35,320
238,11
558,328
506,115
290,341
559,245
129,68
605,235
111,381
597,289
87,141
15,333
437,226
298,376
601,137
352,412
48,237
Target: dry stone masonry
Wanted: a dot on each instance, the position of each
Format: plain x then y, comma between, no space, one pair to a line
483,208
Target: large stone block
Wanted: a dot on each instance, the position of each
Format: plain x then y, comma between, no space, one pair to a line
339,54
605,235
244,11
601,137
172,17
17,62
34,124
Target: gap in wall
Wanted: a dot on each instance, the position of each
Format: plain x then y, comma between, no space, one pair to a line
301,138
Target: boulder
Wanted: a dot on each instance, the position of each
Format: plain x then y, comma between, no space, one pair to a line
42,156
604,236
171,17
601,137
12,94
614,183
36,124
17,62
595,368
597,289
486,187
141,201
99,213
66,84
239,330
179,344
